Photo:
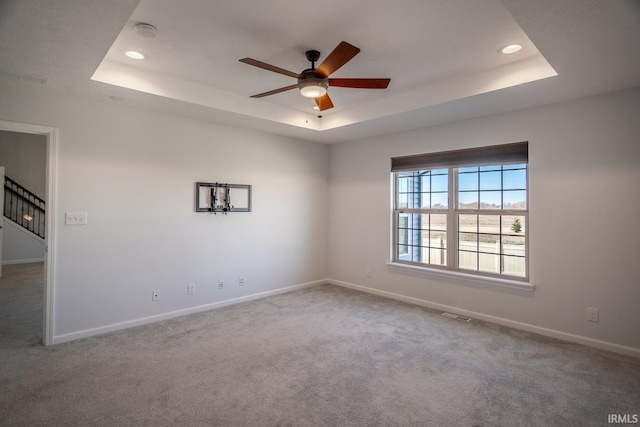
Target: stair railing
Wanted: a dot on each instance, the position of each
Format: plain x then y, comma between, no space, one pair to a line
23,207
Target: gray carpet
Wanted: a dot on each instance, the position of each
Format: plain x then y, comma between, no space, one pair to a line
21,304
324,356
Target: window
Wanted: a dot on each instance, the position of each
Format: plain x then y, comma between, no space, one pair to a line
463,210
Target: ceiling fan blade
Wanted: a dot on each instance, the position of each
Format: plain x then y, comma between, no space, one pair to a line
273,92
324,102
360,83
336,59
269,67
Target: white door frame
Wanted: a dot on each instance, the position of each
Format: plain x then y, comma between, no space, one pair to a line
1,223
51,134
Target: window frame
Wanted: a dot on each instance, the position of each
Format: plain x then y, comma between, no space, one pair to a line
453,213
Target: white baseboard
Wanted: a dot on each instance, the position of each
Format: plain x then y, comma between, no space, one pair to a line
22,261
604,345
58,339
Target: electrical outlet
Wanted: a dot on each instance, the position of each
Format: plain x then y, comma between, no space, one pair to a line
367,273
592,314
155,296
220,283
241,280
191,288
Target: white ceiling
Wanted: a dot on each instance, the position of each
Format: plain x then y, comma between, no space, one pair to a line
441,55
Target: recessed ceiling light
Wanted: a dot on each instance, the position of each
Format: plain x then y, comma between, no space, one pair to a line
510,48
315,107
134,54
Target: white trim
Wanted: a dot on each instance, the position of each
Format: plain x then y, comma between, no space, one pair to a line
590,342
58,339
579,339
487,282
50,248
453,214
50,199
22,261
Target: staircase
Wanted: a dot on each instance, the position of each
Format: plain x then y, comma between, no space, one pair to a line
23,207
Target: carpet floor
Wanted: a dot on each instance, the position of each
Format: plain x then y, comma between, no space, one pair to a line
323,356
21,304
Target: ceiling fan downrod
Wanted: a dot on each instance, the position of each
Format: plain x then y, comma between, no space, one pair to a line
312,56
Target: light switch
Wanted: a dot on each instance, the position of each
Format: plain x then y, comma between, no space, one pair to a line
75,218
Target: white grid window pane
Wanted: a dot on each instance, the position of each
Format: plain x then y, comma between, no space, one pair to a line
481,225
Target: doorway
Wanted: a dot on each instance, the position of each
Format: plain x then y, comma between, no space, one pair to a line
50,135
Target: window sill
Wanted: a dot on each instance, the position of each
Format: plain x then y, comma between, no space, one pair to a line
468,279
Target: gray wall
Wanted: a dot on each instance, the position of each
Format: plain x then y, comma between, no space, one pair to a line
20,246
134,173
24,157
584,160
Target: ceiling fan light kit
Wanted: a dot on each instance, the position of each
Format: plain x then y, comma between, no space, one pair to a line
313,87
314,82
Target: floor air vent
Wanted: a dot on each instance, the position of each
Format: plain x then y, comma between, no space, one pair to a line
457,317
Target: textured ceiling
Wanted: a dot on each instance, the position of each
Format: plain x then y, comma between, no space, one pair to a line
441,56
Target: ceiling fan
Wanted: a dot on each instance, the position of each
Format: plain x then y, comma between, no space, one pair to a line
313,82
